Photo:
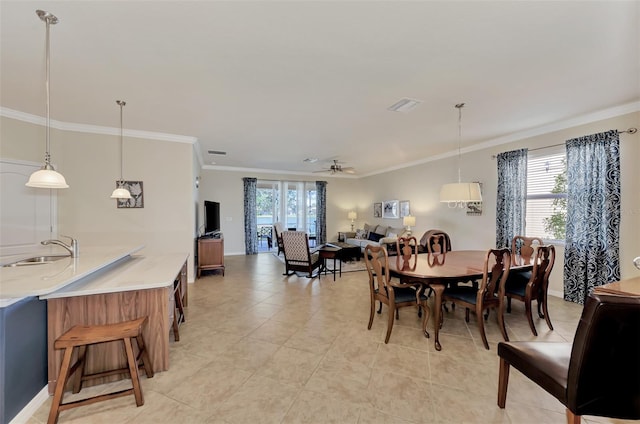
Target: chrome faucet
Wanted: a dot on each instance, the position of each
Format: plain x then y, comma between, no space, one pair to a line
72,247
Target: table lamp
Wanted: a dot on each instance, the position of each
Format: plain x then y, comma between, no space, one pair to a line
352,216
409,221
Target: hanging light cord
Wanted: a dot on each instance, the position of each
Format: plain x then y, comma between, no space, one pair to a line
49,19
459,106
121,103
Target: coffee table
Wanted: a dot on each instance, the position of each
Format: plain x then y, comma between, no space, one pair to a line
349,251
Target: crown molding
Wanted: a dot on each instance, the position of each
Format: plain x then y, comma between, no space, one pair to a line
274,171
521,135
94,129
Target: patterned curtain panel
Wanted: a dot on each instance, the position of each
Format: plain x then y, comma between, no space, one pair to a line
250,217
321,212
591,255
511,200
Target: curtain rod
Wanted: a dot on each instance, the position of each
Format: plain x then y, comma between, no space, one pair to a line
629,131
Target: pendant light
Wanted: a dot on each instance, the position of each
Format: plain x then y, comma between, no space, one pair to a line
120,192
459,194
47,177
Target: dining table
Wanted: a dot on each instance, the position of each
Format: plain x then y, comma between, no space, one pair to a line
438,270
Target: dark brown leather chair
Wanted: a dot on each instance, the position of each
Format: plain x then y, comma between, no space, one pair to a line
598,374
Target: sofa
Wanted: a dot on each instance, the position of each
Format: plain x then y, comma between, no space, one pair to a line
377,235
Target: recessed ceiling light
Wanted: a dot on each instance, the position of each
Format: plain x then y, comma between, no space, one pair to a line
404,105
311,160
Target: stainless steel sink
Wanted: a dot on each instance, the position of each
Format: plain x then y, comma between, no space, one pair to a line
37,260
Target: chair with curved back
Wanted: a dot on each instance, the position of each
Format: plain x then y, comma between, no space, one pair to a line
488,295
598,374
524,246
277,232
534,284
297,256
392,293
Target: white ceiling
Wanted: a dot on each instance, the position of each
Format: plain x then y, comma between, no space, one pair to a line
275,82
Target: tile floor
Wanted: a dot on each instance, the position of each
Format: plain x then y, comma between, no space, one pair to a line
259,347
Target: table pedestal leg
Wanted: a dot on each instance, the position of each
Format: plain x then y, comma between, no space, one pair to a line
438,289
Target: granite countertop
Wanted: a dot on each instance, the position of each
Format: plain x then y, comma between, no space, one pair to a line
42,279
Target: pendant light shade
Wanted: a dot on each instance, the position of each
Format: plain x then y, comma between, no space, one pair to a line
120,192
459,194
47,177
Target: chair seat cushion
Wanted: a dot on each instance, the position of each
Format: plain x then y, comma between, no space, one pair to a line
517,282
406,295
547,364
465,293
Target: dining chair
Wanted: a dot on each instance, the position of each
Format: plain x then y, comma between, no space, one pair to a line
534,284
394,294
596,374
277,232
488,295
297,256
524,246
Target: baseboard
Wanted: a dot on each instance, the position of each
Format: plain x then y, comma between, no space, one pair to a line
555,293
31,408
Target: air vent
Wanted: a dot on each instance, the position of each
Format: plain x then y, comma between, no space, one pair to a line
405,105
217,152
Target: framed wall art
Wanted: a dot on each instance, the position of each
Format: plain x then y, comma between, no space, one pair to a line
377,210
137,195
404,208
390,209
475,208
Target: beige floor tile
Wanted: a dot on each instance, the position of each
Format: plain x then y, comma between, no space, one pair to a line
312,407
259,347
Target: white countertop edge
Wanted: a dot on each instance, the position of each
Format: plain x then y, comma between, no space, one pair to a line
9,300
132,273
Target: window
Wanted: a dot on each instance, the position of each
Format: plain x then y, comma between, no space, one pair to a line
547,194
291,202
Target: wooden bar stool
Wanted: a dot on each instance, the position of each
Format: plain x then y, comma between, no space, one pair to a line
81,336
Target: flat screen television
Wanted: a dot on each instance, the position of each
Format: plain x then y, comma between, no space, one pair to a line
211,217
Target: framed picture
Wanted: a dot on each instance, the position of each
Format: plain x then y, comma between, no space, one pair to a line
404,208
475,208
137,195
377,210
390,209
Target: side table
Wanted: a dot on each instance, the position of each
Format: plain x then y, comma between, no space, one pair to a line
330,252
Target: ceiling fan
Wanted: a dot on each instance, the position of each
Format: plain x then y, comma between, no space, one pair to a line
337,168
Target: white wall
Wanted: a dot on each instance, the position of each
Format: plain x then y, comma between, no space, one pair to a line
90,164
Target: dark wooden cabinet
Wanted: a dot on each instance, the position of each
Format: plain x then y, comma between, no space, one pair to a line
210,254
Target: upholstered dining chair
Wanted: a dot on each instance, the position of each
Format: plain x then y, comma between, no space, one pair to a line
534,284
277,232
297,256
392,293
488,295
598,374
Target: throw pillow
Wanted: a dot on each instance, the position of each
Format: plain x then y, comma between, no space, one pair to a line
392,235
375,236
360,234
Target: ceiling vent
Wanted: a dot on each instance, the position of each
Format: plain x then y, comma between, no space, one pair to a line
405,105
217,152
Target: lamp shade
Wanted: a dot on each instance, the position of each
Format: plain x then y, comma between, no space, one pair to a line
460,192
352,215
47,177
121,193
409,221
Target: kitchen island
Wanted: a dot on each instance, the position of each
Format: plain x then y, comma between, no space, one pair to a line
102,285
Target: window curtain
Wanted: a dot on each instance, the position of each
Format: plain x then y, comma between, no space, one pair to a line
321,212
591,255
511,200
250,218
